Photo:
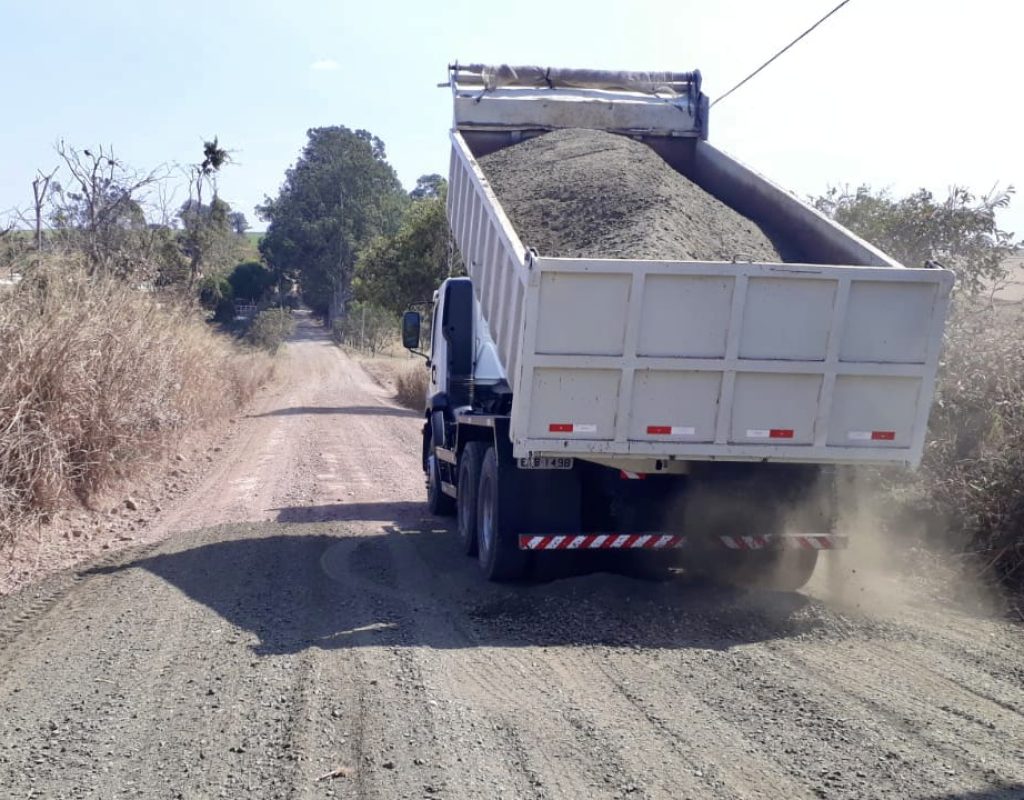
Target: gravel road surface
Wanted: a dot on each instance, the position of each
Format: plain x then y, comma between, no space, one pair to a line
304,630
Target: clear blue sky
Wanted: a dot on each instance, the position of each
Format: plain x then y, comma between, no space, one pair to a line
901,94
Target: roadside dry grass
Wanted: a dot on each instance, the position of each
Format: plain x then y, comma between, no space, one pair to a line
95,379
974,467
404,377
411,386
394,369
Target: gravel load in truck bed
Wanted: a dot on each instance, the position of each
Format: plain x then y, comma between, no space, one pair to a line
591,194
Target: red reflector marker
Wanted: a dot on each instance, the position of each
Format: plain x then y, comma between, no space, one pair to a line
883,436
671,430
572,427
780,433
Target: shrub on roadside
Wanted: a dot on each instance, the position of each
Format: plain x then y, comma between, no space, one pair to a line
411,385
95,379
270,328
213,290
367,327
224,311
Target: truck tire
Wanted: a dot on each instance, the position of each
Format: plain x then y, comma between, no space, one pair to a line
792,570
438,502
647,565
731,500
499,554
469,481
774,571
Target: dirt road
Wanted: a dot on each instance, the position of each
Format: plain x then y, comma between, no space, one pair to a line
303,618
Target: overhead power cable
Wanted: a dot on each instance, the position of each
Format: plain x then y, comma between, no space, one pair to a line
783,50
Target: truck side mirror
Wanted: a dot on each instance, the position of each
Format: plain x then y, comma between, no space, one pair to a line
411,330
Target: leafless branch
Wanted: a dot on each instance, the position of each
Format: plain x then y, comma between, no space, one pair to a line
40,185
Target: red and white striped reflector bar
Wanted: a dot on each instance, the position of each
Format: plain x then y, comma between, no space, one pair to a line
571,427
801,541
871,436
671,541
670,430
770,433
603,541
626,475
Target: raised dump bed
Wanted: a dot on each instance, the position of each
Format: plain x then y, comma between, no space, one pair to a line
826,353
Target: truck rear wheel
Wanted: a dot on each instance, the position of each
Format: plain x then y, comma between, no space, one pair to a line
775,571
729,500
499,554
469,481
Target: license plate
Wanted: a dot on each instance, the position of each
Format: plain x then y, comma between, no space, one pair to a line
545,462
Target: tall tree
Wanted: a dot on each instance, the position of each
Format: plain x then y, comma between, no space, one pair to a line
206,237
203,228
428,186
338,196
239,224
98,207
396,271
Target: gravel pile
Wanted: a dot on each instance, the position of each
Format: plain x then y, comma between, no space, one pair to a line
591,194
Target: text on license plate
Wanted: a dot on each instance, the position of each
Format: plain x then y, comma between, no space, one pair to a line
545,462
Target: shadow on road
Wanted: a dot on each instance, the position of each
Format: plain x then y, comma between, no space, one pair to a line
1005,792
408,585
372,411
395,512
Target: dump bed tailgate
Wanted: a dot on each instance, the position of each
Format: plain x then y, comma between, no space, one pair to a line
727,361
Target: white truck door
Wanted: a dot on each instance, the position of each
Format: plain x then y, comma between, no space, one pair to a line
438,345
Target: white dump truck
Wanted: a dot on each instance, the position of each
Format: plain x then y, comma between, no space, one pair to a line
659,413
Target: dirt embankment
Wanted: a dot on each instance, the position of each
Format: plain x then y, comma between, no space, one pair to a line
591,194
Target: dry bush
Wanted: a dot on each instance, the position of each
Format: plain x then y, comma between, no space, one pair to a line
411,386
270,328
96,377
369,328
968,495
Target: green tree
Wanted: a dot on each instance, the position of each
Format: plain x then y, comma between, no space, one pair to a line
960,231
213,289
395,271
339,195
206,237
239,224
250,280
427,186
206,226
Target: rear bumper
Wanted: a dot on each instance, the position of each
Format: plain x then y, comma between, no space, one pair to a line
670,541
